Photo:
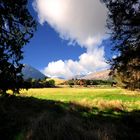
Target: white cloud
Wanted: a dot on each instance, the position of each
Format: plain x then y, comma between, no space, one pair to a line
78,21
88,62
58,68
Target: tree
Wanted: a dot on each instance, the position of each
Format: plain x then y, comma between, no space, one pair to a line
124,26
16,29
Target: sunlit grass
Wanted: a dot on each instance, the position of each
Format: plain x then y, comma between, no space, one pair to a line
70,113
102,98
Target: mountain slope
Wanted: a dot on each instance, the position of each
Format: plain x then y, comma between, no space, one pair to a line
30,72
101,75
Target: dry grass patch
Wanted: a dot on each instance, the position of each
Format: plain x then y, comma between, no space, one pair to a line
128,92
115,105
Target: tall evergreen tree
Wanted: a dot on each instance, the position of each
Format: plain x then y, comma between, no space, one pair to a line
16,29
124,26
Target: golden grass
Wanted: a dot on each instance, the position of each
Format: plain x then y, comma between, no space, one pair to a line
85,114
132,93
116,105
111,98
57,80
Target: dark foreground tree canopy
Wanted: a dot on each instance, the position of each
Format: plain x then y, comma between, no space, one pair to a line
16,29
124,25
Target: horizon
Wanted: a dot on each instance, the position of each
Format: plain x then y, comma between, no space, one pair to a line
34,71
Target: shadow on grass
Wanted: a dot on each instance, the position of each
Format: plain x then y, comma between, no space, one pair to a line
28,118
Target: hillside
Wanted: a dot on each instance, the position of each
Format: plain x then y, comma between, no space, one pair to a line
58,81
30,72
101,75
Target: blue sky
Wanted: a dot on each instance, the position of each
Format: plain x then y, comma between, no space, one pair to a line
68,51
47,46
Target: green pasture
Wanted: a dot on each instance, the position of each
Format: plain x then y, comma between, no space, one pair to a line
88,96
70,113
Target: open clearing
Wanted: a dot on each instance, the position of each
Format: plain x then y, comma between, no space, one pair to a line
92,97
70,114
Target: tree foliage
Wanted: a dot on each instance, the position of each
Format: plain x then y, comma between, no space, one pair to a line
124,26
85,83
16,29
44,83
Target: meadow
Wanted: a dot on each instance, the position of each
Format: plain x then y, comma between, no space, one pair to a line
90,97
71,114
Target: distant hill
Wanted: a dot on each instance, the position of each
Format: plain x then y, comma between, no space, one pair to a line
78,77
101,75
58,81
30,72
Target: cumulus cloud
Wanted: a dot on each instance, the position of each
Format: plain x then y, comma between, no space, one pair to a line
78,21
88,62
82,21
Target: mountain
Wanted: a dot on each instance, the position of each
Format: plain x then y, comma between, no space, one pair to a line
101,75
30,72
78,76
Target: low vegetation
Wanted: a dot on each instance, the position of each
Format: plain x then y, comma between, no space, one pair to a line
44,83
70,113
89,83
88,96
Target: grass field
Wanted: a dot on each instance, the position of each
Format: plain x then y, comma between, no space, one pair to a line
97,97
70,114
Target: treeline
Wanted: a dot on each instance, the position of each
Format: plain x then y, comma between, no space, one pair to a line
83,82
25,84
33,83
123,23
16,29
